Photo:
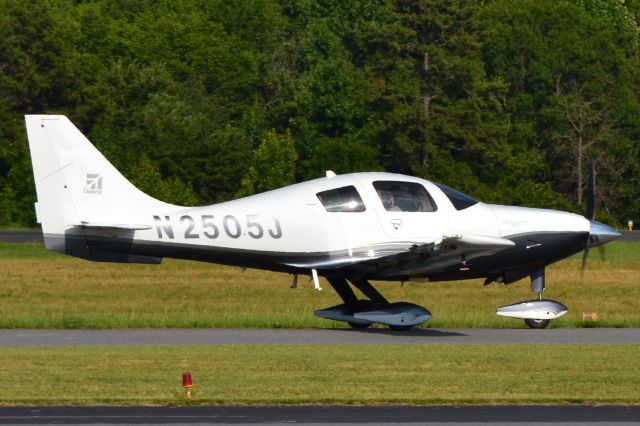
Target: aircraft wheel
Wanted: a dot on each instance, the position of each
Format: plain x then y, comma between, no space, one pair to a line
536,323
359,325
401,327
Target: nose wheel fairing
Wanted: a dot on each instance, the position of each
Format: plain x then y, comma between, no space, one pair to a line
544,309
538,312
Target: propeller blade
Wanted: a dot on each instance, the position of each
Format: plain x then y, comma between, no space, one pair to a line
585,255
591,212
591,192
599,233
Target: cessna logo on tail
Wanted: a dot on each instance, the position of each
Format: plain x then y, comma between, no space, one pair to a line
94,184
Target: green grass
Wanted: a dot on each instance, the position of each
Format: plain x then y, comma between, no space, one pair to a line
42,289
309,374
27,251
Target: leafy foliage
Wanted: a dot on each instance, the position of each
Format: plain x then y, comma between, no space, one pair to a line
146,176
273,166
201,101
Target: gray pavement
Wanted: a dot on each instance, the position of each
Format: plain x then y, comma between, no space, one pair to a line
506,414
21,237
26,337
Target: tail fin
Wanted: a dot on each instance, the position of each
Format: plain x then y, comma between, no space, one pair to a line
77,187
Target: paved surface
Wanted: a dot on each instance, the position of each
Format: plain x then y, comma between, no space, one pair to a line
529,414
21,237
21,337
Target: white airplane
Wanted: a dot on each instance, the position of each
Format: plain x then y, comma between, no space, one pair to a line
347,228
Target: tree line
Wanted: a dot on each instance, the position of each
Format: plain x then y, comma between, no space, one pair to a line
200,101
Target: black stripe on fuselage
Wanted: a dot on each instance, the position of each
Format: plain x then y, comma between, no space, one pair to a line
531,251
128,250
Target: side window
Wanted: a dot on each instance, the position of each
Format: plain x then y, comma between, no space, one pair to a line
345,199
404,196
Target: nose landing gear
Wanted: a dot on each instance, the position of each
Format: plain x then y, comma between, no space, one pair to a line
536,313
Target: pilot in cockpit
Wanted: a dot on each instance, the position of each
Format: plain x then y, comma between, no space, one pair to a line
388,201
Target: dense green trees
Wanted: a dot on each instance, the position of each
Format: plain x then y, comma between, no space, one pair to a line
200,101
573,93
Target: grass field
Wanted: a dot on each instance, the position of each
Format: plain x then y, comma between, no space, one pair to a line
310,374
42,289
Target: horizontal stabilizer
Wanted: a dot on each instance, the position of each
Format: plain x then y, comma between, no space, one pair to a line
121,226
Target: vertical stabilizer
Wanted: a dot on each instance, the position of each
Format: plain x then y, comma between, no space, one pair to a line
77,187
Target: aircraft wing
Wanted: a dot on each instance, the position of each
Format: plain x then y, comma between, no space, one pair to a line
400,259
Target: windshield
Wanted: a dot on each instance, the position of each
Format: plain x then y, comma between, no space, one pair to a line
459,200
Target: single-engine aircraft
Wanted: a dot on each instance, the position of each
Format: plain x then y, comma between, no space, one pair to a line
349,228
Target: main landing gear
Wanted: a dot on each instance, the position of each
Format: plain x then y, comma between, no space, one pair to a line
361,313
536,313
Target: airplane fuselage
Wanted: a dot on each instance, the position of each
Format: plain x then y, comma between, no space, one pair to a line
291,230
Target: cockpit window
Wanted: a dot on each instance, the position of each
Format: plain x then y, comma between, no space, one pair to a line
459,200
404,196
345,199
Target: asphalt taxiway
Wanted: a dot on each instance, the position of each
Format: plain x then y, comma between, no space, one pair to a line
33,337
356,415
